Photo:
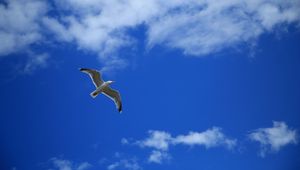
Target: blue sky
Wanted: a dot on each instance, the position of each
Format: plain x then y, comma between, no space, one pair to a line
204,84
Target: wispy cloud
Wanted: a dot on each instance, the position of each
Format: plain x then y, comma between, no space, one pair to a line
35,61
157,156
63,164
274,138
124,141
20,28
117,162
20,24
84,166
129,164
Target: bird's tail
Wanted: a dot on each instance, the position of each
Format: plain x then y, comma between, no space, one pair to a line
94,94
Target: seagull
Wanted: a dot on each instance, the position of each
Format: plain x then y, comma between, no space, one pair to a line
103,87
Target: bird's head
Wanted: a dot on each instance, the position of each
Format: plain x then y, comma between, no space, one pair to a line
109,82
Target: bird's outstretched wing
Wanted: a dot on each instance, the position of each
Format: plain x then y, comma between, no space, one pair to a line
94,74
115,96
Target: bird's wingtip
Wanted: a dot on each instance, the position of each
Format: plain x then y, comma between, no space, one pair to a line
120,108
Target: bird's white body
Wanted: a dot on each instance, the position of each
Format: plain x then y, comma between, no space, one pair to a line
100,89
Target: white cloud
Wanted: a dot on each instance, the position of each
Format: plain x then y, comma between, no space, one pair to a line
160,142
124,164
62,164
197,27
157,139
209,138
274,138
158,156
19,24
213,137
35,62
210,26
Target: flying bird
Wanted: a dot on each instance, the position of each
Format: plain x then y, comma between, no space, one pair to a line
103,87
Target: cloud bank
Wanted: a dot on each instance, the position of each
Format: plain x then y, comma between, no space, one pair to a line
197,27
